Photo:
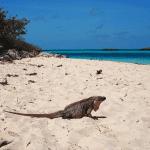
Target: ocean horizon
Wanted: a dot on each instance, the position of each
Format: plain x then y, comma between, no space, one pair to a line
120,55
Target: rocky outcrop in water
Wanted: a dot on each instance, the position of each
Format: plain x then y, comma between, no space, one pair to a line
147,48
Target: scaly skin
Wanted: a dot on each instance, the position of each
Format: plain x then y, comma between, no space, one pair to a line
73,111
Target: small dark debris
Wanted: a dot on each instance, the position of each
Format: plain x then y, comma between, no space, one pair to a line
99,78
99,71
121,99
66,74
31,81
15,75
28,143
4,83
32,64
4,143
32,74
25,69
40,65
59,66
9,75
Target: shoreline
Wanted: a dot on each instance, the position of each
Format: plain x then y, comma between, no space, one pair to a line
111,61
63,56
135,61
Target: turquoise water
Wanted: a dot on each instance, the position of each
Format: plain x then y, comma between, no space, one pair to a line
123,55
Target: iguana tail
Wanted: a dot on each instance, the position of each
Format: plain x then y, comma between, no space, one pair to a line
50,116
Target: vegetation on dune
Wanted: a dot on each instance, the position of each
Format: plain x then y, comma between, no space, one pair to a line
10,31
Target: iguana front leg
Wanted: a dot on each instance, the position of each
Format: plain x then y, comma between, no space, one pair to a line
89,113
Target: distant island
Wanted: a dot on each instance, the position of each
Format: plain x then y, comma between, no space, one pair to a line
110,49
147,48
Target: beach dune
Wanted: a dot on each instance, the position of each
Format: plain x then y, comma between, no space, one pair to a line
46,85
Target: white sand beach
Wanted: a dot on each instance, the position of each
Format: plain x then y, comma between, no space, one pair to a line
125,121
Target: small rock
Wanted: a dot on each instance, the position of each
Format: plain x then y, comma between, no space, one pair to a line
25,54
13,54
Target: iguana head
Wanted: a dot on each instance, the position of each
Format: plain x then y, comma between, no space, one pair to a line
98,100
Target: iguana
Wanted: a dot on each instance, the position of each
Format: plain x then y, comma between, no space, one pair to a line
75,110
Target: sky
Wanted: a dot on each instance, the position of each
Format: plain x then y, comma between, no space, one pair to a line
83,24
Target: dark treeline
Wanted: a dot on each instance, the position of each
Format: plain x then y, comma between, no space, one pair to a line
10,31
